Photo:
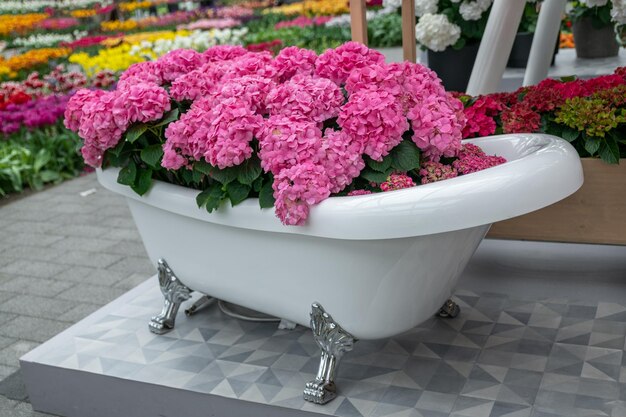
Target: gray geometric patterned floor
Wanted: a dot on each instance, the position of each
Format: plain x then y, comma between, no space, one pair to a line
501,357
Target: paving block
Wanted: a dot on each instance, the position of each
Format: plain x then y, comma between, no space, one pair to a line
11,354
33,268
34,286
45,253
85,258
76,243
35,306
93,276
13,388
34,239
32,328
117,233
128,248
91,294
135,264
78,312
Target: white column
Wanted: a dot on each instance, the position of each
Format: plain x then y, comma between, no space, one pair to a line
495,46
548,28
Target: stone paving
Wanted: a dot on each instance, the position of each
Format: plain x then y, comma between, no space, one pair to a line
62,256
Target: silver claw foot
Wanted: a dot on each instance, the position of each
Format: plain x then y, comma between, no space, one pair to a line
175,292
334,342
450,309
202,303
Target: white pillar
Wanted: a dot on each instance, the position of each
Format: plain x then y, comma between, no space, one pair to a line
548,28
495,46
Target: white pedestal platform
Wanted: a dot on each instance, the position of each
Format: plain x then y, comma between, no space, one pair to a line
541,333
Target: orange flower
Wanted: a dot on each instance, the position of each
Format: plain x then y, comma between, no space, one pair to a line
83,13
119,26
19,23
30,59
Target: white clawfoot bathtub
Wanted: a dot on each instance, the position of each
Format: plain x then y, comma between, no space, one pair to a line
380,264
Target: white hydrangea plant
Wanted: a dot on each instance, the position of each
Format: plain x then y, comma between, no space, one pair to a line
436,32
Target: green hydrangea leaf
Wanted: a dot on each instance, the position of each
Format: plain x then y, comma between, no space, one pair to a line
135,132
143,181
127,174
237,192
266,195
152,154
405,156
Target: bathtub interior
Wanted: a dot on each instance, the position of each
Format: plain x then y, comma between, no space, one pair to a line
373,288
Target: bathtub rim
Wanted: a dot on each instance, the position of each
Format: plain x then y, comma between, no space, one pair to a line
542,169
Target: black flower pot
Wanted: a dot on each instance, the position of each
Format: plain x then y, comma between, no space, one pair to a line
453,66
594,42
521,50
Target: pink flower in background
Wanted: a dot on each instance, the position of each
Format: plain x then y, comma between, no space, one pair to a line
475,163
397,182
374,77
435,171
468,149
303,21
211,24
375,120
359,192
292,60
141,102
437,126
296,189
179,62
341,158
260,64
520,118
480,117
288,141
336,64
202,82
317,99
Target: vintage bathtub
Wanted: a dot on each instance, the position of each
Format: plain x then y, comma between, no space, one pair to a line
378,264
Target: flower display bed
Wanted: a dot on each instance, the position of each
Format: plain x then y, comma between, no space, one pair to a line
594,214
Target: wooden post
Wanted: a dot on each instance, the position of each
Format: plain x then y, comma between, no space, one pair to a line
358,22
408,30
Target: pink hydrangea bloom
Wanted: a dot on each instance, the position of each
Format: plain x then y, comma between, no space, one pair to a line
147,71
341,158
224,52
468,149
288,141
201,82
293,60
233,126
251,88
480,117
179,62
475,163
184,137
296,189
359,192
375,76
254,63
418,82
375,119
98,128
336,64
397,182
435,171
317,99
141,102
74,109
437,125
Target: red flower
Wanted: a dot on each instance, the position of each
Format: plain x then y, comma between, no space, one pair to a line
520,119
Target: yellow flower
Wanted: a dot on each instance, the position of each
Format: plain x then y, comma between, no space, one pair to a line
312,8
119,26
83,13
19,23
114,59
30,59
131,6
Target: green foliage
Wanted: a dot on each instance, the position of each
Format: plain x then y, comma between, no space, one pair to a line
385,31
35,158
600,15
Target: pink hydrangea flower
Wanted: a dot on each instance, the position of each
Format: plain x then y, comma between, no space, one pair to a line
288,141
233,126
74,109
475,163
147,71
200,82
251,88
336,64
296,189
435,171
358,192
418,83
141,102
98,128
224,53
468,149
317,99
254,63
480,117
179,62
375,119
397,182
437,125
341,158
293,60
375,76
